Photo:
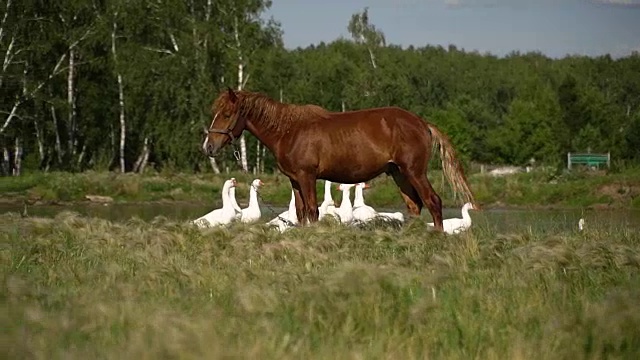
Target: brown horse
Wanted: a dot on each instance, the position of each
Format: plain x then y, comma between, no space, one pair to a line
311,143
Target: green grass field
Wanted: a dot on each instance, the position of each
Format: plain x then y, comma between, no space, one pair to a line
86,288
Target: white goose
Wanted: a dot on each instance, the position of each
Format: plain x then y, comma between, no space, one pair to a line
388,216
345,211
361,211
328,207
457,225
234,203
288,218
221,216
252,212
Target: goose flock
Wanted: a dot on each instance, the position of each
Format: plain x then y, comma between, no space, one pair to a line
348,213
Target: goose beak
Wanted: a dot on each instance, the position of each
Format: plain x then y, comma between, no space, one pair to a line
367,186
260,183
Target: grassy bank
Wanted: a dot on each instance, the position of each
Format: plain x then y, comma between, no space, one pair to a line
78,288
577,189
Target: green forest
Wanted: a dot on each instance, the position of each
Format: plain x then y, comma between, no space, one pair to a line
128,85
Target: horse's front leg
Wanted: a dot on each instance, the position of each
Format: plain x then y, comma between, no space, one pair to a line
299,202
308,189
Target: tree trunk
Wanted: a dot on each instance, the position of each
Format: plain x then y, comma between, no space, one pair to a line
203,68
373,58
123,124
39,141
47,163
56,70
72,104
112,138
6,161
145,161
262,160
17,158
57,131
140,163
10,117
241,82
8,54
145,158
81,156
257,157
243,141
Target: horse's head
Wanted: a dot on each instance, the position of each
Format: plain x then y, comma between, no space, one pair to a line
226,125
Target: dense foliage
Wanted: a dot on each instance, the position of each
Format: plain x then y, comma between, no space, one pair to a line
111,84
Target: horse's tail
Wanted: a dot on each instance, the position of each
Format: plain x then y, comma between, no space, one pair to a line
450,165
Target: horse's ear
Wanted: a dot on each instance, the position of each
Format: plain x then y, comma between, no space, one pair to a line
232,95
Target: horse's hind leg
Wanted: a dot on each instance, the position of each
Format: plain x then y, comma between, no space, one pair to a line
409,193
430,198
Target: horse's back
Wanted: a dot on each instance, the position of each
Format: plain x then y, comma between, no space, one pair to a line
397,123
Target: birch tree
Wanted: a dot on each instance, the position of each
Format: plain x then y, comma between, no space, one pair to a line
121,117
242,80
246,33
77,22
18,60
203,34
366,34
9,50
25,71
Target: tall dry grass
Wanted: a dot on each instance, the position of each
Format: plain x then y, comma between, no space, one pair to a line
81,288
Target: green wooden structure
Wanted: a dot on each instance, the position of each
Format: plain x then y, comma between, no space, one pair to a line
588,159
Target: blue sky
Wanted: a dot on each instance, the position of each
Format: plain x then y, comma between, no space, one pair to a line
553,27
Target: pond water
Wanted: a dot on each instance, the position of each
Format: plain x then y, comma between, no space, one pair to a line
498,220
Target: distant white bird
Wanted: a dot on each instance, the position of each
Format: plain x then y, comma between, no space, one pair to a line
457,225
581,224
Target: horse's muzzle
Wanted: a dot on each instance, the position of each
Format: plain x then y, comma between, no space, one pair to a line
211,150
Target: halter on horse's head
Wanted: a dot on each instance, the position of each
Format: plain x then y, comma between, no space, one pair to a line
226,125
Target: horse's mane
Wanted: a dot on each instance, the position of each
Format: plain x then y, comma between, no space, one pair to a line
272,114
